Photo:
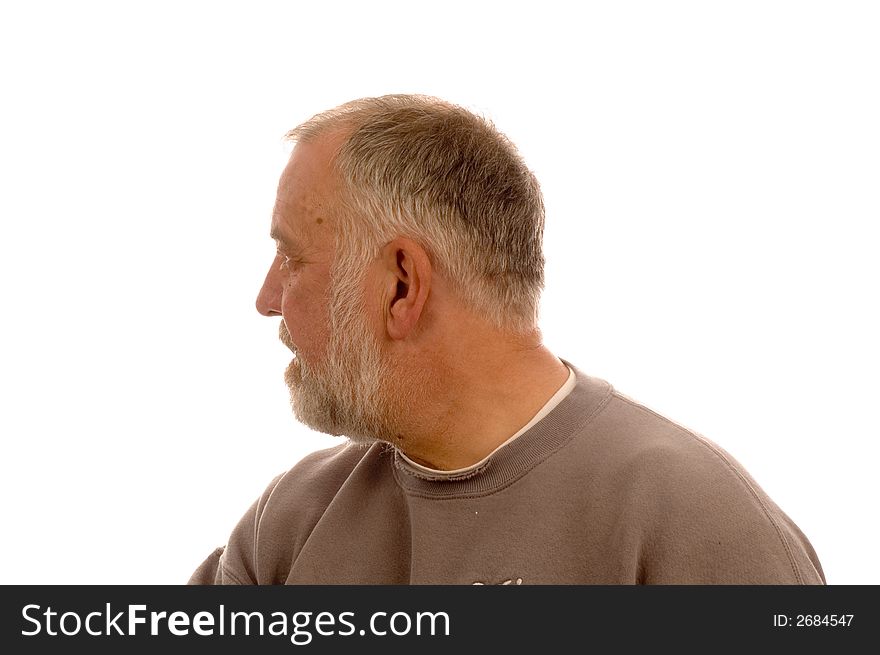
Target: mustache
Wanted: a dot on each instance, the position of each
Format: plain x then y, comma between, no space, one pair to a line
284,335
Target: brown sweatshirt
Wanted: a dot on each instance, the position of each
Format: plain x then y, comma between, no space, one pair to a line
600,491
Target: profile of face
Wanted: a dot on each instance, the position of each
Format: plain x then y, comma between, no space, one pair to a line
337,378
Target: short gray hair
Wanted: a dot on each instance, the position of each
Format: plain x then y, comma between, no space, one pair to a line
426,169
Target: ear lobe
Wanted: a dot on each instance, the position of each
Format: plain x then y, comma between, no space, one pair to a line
409,274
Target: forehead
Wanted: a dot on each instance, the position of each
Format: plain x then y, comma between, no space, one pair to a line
304,202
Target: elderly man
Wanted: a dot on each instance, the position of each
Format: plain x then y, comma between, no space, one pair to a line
407,278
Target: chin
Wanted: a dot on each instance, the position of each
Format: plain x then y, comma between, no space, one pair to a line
349,395
293,374
322,412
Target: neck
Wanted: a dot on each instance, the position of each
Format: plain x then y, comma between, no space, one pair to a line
476,395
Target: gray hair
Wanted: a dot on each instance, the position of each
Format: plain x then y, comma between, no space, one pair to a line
423,168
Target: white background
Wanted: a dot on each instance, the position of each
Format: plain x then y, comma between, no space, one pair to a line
711,176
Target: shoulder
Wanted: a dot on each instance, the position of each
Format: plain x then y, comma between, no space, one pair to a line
705,518
640,435
316,478
269,536
621,434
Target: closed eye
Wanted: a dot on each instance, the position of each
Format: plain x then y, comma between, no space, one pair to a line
287,262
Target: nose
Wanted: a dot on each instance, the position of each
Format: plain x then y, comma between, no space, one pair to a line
269,298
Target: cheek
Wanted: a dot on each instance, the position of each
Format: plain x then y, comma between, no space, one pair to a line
305,315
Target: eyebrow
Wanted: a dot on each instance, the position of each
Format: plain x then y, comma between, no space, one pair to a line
275,235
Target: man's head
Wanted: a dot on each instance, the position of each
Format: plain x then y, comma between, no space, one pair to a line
387,203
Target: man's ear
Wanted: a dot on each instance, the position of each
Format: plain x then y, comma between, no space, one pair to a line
407,271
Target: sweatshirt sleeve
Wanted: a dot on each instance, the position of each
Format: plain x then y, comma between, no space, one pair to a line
209,571
235,563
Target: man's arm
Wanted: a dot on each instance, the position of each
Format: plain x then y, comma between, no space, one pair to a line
235,562
209,571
